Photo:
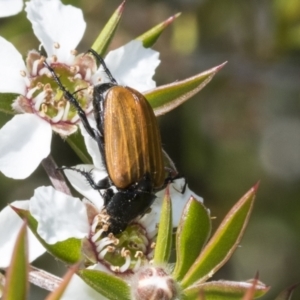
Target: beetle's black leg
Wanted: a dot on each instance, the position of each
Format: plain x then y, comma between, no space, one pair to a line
101,61
70,97
102,184
173,177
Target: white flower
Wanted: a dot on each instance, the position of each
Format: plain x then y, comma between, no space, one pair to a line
25,139
10,7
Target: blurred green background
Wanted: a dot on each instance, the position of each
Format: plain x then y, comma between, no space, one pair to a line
243,127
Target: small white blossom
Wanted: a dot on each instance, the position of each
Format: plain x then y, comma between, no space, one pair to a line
27,137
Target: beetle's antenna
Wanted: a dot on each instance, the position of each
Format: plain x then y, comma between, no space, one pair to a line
101,61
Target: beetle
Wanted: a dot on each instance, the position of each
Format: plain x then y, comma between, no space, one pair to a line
129,140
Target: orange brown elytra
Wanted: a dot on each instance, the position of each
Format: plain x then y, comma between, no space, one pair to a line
129,140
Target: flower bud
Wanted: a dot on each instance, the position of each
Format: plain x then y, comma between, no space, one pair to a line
153,283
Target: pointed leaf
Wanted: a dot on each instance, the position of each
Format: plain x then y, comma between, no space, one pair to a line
223,290
107,33
76,142
150,37
167,97
165,230
69,251
192,233
110,286
287,293
58,292
16,286
6,101
225,240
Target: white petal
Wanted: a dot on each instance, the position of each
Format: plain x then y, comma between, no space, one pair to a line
83,187
24,142
77,290
133,65
11,63
91,145
10,7
10,225
178,199
59,216
54,22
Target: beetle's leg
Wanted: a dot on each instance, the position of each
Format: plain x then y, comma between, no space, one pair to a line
100,185
173,176
70,97
101,61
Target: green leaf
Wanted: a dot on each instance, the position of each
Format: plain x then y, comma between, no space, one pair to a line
165,230
108,285
150,37
6,101
58,292
287,293
16,286
167,97
107,33
192,233
225,240
76,142
69,251
223,290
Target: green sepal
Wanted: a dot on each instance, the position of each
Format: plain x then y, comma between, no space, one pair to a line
150,37
69,251
104,38
16,286
164,237
108,285
167,97
76,142
223,290
192,233
223,243
6,100
59,291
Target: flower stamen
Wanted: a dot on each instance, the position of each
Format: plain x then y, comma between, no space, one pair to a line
126,265
39,100
23,73
74,52
59,115
104,242
56,45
